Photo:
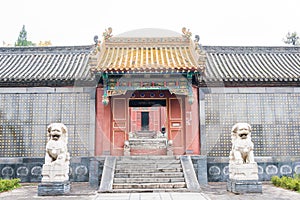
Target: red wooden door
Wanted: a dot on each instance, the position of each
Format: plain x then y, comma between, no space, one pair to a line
119,125
176,126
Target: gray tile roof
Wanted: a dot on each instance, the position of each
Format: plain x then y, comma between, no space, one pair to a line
44,66
252,64
63,66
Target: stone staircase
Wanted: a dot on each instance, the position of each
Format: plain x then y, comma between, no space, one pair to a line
148,174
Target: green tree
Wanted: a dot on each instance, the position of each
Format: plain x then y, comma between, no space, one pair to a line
22,39
292,38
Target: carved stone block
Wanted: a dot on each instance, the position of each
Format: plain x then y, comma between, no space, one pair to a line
244,186
53,188
243,171
55,173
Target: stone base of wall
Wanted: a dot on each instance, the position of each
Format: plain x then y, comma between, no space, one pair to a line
218,167
54,188
244,186
200,167
89,169
29,169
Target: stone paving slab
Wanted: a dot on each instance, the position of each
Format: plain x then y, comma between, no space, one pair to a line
217,190
213,191
152,196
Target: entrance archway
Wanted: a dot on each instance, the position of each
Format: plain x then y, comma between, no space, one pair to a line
147,116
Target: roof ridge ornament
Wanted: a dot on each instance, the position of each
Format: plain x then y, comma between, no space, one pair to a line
107,33
186,33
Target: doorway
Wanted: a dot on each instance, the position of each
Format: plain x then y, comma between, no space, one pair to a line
147,115
145,121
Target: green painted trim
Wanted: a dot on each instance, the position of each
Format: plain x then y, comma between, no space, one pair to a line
105,76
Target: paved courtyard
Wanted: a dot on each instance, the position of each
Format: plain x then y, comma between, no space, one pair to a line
211,191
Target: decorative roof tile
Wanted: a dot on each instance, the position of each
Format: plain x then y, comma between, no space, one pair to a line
155,58
148,54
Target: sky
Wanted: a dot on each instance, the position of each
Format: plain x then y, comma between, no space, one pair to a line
217,22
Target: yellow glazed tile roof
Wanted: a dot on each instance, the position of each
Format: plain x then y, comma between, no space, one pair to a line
147,59
147,54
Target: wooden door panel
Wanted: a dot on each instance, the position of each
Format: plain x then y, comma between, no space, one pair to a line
133,119
118,139
156,122
119,129
177,138
175,109
176,125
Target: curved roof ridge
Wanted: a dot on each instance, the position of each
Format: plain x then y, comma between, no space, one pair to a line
45,49
252,49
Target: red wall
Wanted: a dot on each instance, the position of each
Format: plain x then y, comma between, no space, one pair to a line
103,125
192,125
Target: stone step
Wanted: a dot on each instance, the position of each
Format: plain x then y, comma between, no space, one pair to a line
148,166
149,185
148,146
148,180
150,175
146,190
147,170
147,158
145,162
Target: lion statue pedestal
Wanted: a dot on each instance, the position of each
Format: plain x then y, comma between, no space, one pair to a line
55,171
243,170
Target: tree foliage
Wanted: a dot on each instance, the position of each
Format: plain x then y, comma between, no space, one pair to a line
22,39
292,38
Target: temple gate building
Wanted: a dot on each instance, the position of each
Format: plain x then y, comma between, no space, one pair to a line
149,92
147,84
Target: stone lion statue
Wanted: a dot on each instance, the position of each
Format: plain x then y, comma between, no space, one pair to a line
57,158
242,146
56,148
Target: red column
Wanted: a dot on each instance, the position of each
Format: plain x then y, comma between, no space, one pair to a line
103,123
192,125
